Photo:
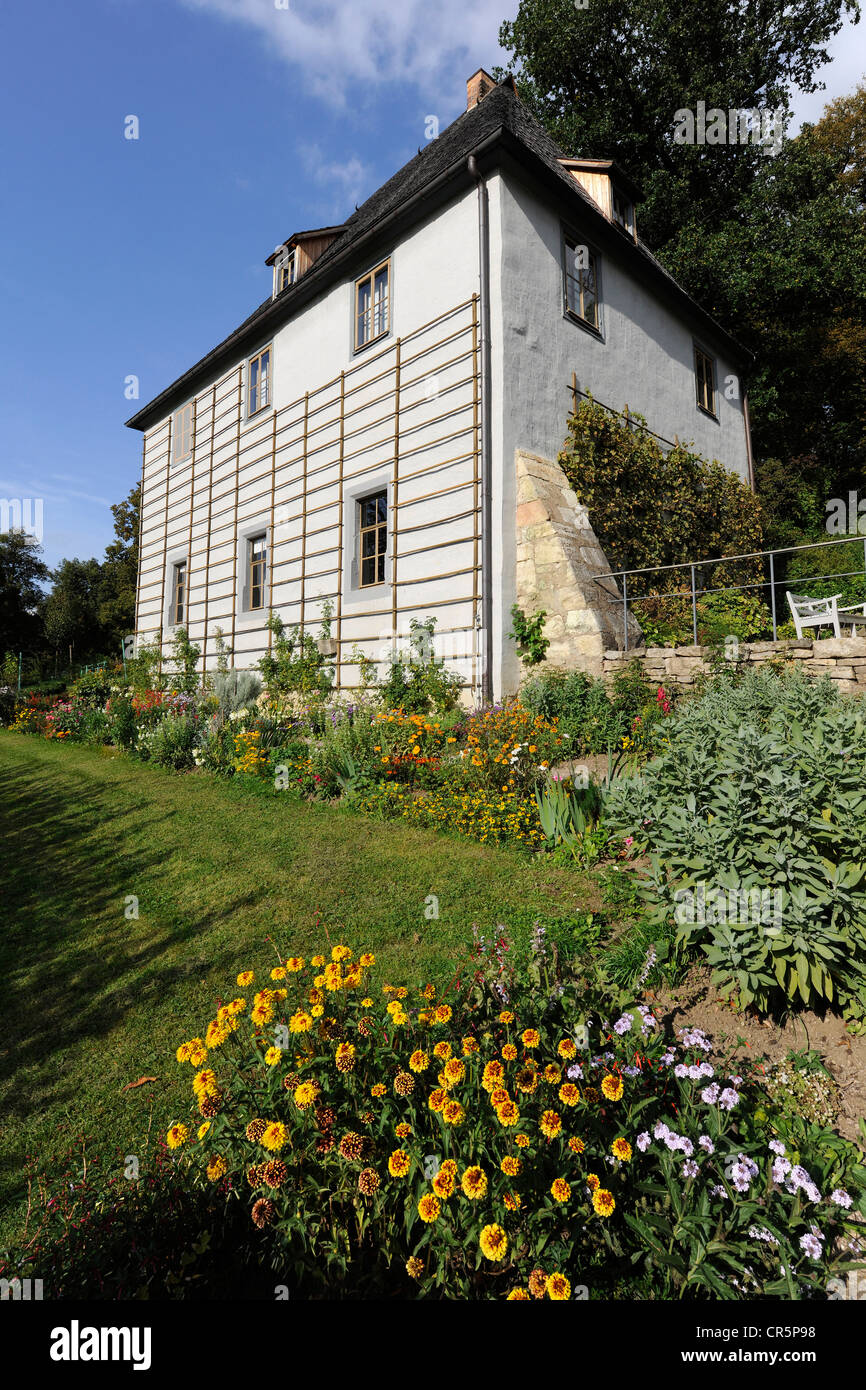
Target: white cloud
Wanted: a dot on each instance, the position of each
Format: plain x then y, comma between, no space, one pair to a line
844,72
336,45
349,179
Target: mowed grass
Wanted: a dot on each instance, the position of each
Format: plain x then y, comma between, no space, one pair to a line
224,873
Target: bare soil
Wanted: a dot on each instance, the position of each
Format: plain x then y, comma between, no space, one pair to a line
697,1004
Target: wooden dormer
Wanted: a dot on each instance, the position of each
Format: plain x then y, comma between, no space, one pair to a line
295,257
609,187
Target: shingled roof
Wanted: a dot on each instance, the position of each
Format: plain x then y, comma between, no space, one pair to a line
499,122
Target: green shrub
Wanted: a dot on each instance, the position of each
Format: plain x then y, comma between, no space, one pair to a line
754,818
840,570
295,663
419,683
235,690
171,743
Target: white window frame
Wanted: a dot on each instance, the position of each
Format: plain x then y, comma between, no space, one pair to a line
370,275
256,357
182,425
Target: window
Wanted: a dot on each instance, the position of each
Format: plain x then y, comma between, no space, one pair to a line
581,283
182,443
259,381
623,213
373,535
178,603
372,306
257,550
705,381
284,271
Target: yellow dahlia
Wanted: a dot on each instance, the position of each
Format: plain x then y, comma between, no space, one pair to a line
399,1163
493,1242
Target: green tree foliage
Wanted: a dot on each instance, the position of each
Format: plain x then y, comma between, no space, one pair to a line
607,79
22,572
120,572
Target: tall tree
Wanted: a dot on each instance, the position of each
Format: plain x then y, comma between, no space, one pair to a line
608,79
120,571
22,573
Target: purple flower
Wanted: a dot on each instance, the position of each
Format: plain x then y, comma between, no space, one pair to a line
630,1071
728,1099
685,1146
710,1094
718,1191
681,1070
690,1168
777,1146
840,1197
781,1167
760,1233
667,1058
811,1246
695,1037
706,1143
643,1141
575,1072
661,1131
623,1025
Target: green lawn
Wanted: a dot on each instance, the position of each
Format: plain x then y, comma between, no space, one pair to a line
223,872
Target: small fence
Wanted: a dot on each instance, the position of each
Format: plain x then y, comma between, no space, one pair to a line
696,591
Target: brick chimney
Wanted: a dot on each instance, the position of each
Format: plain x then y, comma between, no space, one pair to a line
477,87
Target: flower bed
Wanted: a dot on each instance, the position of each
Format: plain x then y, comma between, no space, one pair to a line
519,1138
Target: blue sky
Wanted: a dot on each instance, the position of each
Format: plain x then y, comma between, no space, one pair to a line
134,257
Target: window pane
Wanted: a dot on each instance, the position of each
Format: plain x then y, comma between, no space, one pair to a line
368,571
362,334
264,378
380,571
368,542
383,538
382,501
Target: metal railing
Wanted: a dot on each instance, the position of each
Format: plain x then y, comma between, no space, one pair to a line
696,592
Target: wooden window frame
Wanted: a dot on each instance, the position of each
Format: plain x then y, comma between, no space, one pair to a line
570,242
290,264
182,433
257,357
180,593
357,316
252,563
705,377
376,527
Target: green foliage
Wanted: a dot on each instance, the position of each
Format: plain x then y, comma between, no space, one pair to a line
419,683
235,690
171,742
650,508
223,651
754,820
22,573
836,569
667,622
185,658
527,633
91,690
121,720
295,662
9,671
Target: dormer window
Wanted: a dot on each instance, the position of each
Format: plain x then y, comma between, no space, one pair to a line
284,270
623,212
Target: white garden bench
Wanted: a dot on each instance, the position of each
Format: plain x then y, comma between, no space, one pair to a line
821,612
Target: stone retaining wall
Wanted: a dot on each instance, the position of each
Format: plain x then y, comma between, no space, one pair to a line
842,658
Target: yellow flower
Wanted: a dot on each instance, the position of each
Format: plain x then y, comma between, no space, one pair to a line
510,1165
621,1148
603,1201
305,1094
419,1061
512,1201
509,1052
403,1130
507,1114
443,1013
183,1052
506,1016
246,977
453,1112
198,1053
443,1185
438,1099
530,1037
493,1242
429,1208
278,972
340,953
612,1087
455,1071
560,1190
377,1091
399,1163
592,1182
275,1136
469,1045
576,1145
567,1048
177,1135
553,1074
318,962
367,959
217,1168
518,1295
550,1124
558,1288
522,1141
491,1077
474,1182
300,1022
366,1003
442,1050
203,1129
272,1056
569,1094
294,964
317,1010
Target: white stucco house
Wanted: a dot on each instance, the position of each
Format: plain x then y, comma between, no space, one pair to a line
359,437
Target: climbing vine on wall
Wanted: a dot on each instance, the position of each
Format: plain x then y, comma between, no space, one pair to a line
651,507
